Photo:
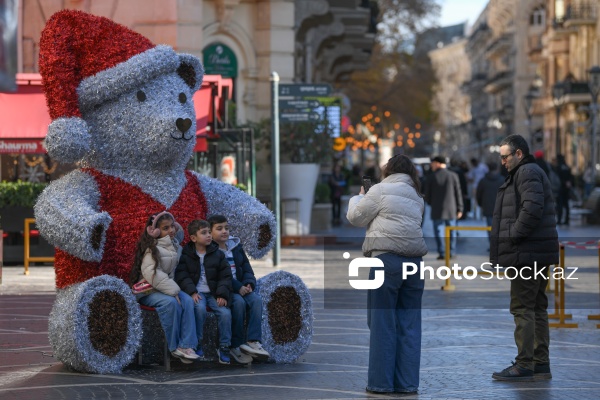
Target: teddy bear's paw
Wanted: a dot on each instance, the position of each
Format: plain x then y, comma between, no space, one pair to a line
264,236
95,326
287,323
96,238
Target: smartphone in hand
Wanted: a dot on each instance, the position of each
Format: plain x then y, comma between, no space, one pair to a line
367,182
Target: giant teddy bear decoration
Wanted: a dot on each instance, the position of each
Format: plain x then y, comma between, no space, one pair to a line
122,108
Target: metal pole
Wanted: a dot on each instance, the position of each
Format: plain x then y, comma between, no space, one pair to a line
252,164
594,122
557,130
275,164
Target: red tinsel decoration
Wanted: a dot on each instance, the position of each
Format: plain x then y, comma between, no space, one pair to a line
95,44
129,208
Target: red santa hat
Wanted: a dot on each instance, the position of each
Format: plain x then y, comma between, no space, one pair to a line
84,61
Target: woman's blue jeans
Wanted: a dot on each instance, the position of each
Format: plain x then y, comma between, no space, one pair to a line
249,306
394,318
177,320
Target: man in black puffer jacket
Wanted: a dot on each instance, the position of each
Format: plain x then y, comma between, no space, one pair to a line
524,237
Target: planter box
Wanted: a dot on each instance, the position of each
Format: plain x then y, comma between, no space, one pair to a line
320,220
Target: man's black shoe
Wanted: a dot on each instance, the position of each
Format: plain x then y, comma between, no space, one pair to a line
542,371
514,373
440,258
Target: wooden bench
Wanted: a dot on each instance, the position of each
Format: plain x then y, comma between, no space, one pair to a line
154,348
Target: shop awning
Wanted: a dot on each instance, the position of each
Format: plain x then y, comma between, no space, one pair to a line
24,117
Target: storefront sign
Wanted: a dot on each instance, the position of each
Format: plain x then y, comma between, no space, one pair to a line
8,146
220,60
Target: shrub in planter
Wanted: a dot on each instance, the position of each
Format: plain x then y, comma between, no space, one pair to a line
322,193
19,193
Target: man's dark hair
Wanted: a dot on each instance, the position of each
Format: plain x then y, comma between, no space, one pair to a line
492,165
196,225
216,219
440,159
516,142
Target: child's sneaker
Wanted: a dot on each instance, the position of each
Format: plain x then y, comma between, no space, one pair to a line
240,357
223,353
199,352
189,353
178,353
255,350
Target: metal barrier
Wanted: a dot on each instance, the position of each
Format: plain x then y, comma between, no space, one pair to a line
448,285
559,297
27,258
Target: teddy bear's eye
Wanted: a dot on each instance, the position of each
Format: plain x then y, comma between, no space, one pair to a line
141,96
182,98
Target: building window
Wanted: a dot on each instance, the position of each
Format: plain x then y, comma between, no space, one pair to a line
538,17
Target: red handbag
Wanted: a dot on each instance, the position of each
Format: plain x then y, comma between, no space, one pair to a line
141,287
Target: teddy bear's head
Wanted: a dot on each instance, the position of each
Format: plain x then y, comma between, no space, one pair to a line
117,101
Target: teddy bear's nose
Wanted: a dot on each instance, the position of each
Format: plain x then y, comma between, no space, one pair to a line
183,124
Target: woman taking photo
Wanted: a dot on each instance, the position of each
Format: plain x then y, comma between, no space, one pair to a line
393,211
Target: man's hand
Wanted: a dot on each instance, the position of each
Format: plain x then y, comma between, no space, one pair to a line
221,302
459,215
196,297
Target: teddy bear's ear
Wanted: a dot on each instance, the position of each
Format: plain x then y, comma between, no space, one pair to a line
190,70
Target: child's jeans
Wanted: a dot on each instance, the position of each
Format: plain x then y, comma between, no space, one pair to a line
223,317
249,306
176,319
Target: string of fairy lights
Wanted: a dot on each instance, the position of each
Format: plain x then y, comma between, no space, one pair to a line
376,126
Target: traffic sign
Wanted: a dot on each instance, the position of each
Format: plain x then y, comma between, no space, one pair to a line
298,104
304,90
299,116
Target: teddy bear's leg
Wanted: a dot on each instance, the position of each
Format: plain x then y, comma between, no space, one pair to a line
287,316
95,326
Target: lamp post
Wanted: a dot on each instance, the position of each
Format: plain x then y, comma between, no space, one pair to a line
594,84
558,99
528,99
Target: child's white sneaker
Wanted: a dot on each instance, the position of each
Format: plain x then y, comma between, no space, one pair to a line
255,350
178,353
240,357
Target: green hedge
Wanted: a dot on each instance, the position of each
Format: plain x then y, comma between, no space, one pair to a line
19,193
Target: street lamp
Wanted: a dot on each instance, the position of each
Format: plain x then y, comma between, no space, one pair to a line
528,99
594,84
558,99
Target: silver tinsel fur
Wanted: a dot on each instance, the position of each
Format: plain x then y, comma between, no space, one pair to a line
288,352
244,213
68,326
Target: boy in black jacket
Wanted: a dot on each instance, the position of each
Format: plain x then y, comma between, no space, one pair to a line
245,303
204,274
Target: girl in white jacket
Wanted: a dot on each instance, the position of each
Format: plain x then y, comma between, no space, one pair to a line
156,258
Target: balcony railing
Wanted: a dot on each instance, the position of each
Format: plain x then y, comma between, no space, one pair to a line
584,10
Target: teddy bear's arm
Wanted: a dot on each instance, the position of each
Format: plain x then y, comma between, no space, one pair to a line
68,216
248,218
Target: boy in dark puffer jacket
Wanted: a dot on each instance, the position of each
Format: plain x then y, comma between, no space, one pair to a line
204,274
245,302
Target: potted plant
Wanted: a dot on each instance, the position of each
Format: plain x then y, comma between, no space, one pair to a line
320,220
303,148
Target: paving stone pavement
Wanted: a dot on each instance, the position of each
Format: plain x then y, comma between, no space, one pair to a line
467,334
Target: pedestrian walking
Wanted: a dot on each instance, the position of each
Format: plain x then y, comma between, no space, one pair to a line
524,237
392,211
443,194
486,192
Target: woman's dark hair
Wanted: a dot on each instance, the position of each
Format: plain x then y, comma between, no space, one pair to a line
400,164
144,243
